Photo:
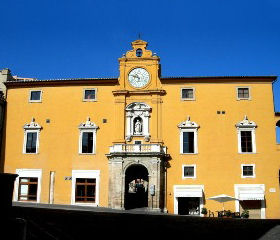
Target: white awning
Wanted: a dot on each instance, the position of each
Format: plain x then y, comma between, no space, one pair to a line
188,191
253,193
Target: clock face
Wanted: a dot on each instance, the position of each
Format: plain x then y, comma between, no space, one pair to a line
138,77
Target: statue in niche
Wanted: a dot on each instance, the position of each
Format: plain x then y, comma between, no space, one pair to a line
138,127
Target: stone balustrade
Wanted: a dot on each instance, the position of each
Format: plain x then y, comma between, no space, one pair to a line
138,148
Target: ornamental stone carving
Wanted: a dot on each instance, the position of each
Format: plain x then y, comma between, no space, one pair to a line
137,120
88,125
245,123
32,125
188,124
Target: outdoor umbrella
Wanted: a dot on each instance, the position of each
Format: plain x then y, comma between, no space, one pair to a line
222,199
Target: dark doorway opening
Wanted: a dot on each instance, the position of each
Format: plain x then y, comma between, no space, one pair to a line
136,187
188,206
253,206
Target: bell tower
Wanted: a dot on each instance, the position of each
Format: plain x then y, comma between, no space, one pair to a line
139,68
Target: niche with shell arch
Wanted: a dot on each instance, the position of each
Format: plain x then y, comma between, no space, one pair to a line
137,120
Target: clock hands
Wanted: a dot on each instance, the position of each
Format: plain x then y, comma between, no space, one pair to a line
136,76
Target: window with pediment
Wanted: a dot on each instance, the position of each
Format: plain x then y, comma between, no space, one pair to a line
87,140
246,136
31,137
188,137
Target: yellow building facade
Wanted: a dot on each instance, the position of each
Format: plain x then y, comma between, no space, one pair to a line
145,141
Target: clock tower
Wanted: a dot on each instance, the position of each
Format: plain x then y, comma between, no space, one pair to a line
139,68
137,154
139,82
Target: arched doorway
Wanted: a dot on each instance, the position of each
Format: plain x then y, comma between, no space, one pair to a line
136,187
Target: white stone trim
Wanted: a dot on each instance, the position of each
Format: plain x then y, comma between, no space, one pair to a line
88,126
31,127
52,183
89,100
249,90
194,171
187,99
237,188
254,170
85,174
189,126
245,123
176,194
36,173
35,101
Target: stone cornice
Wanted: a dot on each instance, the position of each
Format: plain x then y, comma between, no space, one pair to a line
218,79
58,82
139,92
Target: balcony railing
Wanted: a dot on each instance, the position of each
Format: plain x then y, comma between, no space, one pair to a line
138,148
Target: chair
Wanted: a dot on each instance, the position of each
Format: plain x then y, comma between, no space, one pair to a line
220,213
211,214
236,215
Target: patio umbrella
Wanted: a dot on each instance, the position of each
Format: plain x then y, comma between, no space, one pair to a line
222,199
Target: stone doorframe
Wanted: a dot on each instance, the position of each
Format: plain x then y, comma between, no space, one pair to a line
117,169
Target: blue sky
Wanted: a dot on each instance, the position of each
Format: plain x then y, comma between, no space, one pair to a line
69,39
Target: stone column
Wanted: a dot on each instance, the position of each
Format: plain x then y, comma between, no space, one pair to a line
155,179
116,183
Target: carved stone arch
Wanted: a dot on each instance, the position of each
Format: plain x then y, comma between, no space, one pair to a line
137,106
131,163
141,111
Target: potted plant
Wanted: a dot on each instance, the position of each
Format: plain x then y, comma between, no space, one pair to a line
228,213
245,214
204,211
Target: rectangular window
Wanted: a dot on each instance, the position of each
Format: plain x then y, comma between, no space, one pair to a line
27,189
188,171
246,141
188,142
89,94
31,142
85,190
87,142
187,94
35,96
243,93
248,170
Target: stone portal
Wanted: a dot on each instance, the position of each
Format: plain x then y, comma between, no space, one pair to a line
132,168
